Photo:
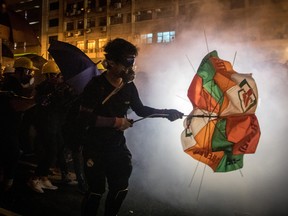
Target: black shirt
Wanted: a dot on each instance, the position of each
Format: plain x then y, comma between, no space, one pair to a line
117,106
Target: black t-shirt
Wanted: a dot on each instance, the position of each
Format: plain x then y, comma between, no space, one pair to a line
117,106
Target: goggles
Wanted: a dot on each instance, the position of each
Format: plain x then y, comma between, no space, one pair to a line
128,62
28,72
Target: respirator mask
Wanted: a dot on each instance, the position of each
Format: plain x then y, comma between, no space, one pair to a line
128,73
27,78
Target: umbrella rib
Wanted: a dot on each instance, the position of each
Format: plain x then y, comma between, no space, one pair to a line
201,182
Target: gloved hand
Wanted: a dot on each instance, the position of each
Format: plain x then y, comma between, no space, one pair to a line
123,123
173,114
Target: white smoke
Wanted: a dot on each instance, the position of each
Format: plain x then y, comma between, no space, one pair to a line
163,172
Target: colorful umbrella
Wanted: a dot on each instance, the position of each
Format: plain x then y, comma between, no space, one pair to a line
222,126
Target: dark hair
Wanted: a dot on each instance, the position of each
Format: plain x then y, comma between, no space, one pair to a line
118,49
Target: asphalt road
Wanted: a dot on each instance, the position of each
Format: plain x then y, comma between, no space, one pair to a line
66,201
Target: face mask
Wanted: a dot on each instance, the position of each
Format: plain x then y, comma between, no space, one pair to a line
128,75
27,81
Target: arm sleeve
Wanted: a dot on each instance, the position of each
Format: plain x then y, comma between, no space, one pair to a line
138,107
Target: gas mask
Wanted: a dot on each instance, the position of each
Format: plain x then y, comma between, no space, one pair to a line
27,78
128,73
126,67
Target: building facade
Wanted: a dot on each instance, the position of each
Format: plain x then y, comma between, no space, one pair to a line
89,24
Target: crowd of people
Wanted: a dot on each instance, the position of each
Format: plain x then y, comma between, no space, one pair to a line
91,125
44,108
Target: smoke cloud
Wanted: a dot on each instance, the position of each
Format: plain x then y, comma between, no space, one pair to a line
162,171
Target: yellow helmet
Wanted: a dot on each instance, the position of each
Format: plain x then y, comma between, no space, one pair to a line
24,62
50,67
100,66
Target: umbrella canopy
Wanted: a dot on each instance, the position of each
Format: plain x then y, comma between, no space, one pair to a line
76,67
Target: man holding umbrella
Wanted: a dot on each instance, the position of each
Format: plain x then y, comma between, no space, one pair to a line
103,114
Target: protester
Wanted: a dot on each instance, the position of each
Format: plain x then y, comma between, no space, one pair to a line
16,97
73,140
8,71
52,101
103,116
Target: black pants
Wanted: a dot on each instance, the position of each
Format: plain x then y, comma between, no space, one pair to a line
112,166
49,144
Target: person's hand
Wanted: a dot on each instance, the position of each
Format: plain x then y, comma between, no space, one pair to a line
173,114
123,123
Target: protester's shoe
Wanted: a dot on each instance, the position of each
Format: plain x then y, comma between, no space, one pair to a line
35,185
46,184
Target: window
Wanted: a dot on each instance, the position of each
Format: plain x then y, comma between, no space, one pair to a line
80,24
80,45
75,9
116,19
102,21
102,3
143,15
146,38
53,22
91,5
54,6
165,37
128,18
102,43
91,22
70,26
164,12
91,45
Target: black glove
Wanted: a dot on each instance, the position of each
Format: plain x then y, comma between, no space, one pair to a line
172,114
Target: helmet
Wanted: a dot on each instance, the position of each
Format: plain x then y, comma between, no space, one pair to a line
100,66
24,62
9,70
50,67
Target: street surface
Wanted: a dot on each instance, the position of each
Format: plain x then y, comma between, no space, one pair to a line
66,201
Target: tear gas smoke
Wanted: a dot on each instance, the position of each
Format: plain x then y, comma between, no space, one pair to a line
163,172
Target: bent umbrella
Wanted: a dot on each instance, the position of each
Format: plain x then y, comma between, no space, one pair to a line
229,128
